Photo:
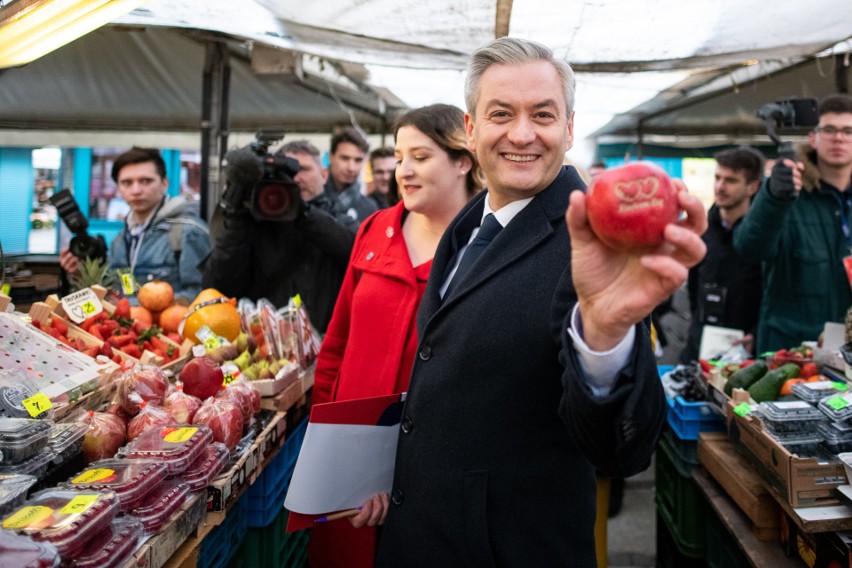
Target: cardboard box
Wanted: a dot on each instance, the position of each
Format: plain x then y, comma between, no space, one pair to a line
228,485
802,482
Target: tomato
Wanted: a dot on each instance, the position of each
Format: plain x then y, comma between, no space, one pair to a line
786,388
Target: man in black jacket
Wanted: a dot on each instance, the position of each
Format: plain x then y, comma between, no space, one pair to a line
725,289
534,366
277,260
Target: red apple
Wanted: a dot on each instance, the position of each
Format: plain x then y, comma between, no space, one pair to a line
149,416
202,377
629,206
225,419
148,381
105,435
240,397
181,406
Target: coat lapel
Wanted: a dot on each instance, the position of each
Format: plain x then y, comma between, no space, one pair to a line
534,224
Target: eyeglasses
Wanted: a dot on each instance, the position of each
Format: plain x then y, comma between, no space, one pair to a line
845,132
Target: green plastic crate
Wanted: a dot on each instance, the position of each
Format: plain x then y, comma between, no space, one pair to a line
679,502
273,547
722,549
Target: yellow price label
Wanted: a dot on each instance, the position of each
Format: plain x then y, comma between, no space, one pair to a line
230,378
211,343
37,404
94,475
78,504
27,516
89,308
179,435
128,285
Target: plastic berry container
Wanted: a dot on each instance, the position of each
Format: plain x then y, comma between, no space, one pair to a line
816,391
63,517
790,417
66,439
36,465
802,444
131,480
23,552
175,446
22,438
112,546
837,407
13,491
160,504
835,440
208,465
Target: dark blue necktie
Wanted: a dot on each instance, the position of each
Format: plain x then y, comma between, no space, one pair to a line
487,231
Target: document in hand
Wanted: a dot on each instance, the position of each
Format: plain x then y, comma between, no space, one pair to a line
347,456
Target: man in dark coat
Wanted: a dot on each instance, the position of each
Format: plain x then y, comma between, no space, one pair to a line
534,365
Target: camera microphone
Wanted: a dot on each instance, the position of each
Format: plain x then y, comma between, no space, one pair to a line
242,172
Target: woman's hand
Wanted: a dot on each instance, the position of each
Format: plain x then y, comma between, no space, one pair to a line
373,512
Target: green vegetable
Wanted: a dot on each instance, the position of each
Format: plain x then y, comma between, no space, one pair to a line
746,377
768,387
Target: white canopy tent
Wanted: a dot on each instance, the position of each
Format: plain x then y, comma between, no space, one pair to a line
625,52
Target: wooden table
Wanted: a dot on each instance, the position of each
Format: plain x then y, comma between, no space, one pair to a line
760,554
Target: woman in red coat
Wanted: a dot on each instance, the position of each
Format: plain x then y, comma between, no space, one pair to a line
369,347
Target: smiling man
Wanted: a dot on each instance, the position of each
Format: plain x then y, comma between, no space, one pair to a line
534,365
799,227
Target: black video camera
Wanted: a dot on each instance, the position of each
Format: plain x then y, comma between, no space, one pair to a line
788,113
275,196
82,245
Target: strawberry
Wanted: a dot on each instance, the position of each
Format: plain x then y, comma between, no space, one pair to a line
122,309
59,326
132,349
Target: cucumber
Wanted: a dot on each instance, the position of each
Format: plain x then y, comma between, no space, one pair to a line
768,387
744,378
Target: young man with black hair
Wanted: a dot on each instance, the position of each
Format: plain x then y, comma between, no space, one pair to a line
343,188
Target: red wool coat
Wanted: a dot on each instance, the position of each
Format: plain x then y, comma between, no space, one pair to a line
368,350
369,347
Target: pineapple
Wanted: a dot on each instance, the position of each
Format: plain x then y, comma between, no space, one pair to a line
92,271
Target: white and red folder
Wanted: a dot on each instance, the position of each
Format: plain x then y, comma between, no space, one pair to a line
347,456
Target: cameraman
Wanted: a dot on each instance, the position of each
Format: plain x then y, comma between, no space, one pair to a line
276,260
162,238
799,227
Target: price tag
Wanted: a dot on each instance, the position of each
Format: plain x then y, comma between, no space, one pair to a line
297,300
838,386
230,378
82,305
178,435
128,283
837,403
27,516
211,343
37,404
742,409
78,504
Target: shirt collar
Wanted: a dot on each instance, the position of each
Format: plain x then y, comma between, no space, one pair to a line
506,213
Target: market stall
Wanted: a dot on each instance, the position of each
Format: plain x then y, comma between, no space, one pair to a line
113,454
752,468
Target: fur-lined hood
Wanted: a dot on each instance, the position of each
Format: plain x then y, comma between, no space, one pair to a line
811,175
